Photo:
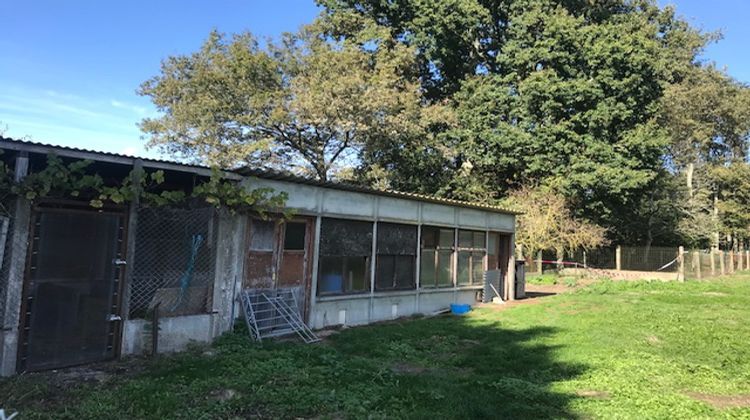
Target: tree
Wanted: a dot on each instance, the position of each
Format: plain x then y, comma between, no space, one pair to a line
309,101
561,93
547,223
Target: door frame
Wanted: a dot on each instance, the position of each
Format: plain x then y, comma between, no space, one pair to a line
278,250
81,207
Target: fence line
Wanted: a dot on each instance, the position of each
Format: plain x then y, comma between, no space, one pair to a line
664,261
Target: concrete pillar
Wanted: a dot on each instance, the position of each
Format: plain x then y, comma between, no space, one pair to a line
681,264
511,280
618,258
17,247
697,264
539,261
713,263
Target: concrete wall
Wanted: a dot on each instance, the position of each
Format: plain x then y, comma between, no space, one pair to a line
364,309
175,333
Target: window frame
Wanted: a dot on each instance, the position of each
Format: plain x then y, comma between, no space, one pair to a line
472,250
437,251
368,267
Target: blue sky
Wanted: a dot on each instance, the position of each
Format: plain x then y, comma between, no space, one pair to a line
70,68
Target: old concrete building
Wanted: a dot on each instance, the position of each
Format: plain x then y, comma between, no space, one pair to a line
81,284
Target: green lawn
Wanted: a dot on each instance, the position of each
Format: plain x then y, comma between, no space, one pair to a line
626,350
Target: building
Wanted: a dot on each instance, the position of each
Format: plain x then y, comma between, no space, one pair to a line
79,284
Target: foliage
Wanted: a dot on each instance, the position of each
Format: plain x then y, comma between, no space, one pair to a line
547,223
62,180
309,101
565,93
612,350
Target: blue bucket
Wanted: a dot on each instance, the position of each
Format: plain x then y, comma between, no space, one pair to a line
460,308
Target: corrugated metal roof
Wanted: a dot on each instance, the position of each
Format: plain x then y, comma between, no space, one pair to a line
37,147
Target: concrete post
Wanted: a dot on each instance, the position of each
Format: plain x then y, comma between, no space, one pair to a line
539,261
511,280
722,269
17,250
618,258
713,263
697,264
585,265
680,264
740,259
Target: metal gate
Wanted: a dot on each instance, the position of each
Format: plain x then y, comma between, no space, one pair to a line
71,301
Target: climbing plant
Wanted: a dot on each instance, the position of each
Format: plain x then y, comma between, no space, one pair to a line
59,179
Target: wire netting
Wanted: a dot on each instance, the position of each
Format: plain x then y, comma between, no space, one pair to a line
174,263
649,258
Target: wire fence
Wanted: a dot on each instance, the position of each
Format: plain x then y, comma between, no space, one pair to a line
174,264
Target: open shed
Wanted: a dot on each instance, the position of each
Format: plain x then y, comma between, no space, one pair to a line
80,284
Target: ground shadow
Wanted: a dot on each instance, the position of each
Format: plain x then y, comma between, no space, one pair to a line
453,367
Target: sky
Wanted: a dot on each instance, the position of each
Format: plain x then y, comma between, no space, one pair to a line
69,70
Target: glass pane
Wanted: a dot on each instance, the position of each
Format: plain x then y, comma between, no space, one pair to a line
464,261
384,273
446,237
331,279
404,274
427,269
294,236
479,240
429,237
356,274
261,235
477,269
493,244
445,268
464,238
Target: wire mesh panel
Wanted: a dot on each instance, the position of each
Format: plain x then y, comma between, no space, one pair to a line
649,258
174,263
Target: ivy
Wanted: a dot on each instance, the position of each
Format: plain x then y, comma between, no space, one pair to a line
74,180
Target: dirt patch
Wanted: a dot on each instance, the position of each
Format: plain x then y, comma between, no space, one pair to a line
721,401
223,394
597,395
408,368
653,340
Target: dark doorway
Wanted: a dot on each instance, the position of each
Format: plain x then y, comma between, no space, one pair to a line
71,299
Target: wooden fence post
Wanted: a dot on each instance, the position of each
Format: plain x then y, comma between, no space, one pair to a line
740,260
731,261
697,264
618,258
747,255
584,259
722,269
681,264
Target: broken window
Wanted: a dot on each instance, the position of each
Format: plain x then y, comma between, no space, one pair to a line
396,257
294,236
472,248
345,250
436,261
292,261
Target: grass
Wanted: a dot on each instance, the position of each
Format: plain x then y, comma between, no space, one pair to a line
622,350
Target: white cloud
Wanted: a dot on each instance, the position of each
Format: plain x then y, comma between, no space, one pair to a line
130,151
133,108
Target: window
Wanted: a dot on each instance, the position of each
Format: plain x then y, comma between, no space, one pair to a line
436,260
294,236
345,250
261,235
471,250
396,257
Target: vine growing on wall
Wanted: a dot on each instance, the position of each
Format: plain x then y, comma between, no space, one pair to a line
74,180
